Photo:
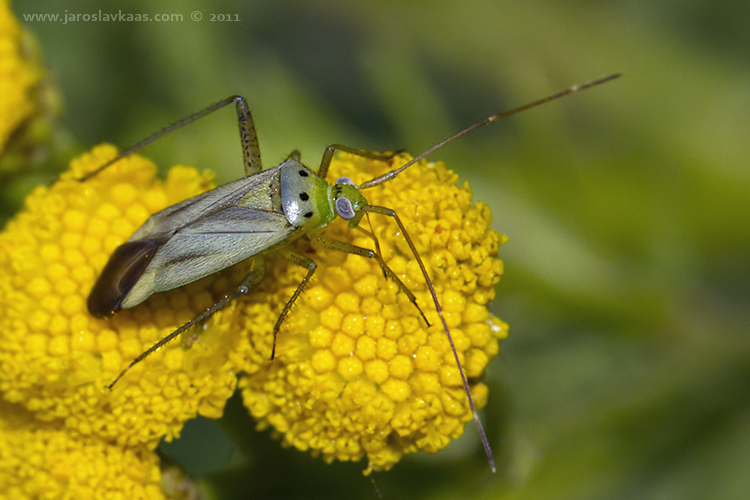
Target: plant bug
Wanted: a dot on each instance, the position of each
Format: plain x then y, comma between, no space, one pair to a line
247,218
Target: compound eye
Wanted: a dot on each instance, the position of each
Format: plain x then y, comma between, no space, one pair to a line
345,180
344,208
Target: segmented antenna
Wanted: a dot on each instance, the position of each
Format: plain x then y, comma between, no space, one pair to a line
575,88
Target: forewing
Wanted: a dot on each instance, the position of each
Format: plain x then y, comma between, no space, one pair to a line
192,239
209,245
176,217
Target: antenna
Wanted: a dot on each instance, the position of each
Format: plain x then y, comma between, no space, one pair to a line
575,88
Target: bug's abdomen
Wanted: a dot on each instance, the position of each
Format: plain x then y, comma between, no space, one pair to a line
125,267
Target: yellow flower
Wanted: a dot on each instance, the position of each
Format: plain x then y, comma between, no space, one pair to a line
56,358
47,461
18,77
357,371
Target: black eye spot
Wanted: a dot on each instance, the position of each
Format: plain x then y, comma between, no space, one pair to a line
308,215
303,173
304,196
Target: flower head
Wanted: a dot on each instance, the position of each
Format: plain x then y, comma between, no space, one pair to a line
357,370
29,101
57,359
17,76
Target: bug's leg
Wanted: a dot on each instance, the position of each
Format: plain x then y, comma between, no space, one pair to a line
294,155
374,238
301,261
391,213
249,138
325,162
370,254
250,281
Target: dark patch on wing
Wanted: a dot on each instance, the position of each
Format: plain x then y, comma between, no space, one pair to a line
123,270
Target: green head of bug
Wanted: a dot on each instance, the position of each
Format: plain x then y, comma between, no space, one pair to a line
348,201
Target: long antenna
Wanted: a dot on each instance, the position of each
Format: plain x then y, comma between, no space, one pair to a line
575,88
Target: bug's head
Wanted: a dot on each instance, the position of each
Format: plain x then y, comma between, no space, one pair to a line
348,201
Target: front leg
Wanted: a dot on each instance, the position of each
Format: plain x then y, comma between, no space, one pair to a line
301,261
325,162
370,254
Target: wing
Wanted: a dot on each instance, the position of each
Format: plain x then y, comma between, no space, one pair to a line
139,268
176,217
208,246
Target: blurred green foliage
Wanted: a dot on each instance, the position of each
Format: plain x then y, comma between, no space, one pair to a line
626,287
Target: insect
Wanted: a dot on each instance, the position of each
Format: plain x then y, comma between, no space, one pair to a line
255,215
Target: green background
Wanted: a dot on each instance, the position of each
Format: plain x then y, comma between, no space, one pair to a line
626,374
